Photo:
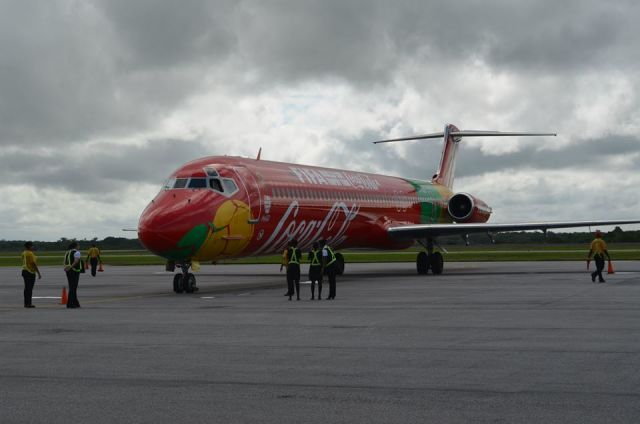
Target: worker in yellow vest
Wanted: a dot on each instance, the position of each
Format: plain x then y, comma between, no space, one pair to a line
293,268
315,269
329,266
93,258
599,250
29,271
73,267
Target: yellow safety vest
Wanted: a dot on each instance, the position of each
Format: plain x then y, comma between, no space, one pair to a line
27,265
332,256
315,261
294,256
68,260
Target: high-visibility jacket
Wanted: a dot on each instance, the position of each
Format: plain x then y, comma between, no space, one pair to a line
315,259
69,258
598,246
93,252
332,257
294,257
29,261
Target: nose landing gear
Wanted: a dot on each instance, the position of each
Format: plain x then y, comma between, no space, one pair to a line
184,281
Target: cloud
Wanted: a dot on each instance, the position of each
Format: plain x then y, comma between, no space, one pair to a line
102,99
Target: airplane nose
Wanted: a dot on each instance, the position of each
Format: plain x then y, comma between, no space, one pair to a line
169,225
159,230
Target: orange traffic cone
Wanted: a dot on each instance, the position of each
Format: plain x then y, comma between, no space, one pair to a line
100,269
610,269
63,299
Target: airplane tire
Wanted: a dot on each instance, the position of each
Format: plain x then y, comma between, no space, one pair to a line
339,264
422,263
177,283
190,284
437,263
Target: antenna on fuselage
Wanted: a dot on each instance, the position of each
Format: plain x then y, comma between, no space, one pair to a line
452,136
259,151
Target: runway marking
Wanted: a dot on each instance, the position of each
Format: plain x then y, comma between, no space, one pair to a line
208,297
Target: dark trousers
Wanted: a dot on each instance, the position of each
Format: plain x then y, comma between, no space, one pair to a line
29,281
599,260
94,265
73,278
331,276
315,275
293,280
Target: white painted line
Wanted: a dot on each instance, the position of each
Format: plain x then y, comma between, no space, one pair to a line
207,297
305,282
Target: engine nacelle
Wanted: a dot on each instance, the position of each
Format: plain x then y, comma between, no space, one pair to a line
464,207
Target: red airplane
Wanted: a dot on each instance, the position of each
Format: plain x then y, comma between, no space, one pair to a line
229,207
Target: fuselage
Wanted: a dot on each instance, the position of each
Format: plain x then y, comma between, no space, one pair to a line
224,207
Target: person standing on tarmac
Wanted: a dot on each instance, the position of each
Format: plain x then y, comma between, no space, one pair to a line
73,267
283,264
93,257
315,270
29,271
329,265
293,268
599,250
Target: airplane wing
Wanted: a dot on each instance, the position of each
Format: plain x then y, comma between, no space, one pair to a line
418,231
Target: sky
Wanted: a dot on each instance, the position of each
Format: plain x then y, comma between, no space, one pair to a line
101,100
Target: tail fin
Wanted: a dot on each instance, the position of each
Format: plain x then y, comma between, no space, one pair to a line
447,167
452,136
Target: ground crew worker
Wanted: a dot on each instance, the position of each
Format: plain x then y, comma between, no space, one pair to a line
293,268
93,257
283,264
599,250
315,269
73,267
329,265
29,271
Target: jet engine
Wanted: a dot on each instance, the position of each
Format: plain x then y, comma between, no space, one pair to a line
464,207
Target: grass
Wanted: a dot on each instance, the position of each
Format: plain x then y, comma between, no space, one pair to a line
501,252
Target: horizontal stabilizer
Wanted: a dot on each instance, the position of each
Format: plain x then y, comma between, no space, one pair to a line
467,133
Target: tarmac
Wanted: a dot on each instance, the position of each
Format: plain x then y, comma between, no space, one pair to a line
505,342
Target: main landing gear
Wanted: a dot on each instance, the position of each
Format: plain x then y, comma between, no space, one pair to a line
429,260
184,281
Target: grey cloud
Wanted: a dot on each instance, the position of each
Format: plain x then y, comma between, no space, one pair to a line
73,71
171,34
422,158
104,168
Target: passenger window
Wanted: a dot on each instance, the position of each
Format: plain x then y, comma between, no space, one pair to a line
197,183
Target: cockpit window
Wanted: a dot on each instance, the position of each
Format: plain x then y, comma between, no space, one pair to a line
229,186
215,184
180,183
197,183
169,183
225,186
211,171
